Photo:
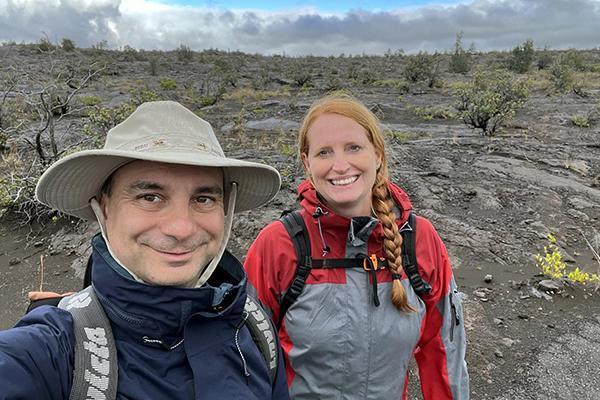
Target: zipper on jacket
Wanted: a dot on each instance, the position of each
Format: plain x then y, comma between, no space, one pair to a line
317,214
239,349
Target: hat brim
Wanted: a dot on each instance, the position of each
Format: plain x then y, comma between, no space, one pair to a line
70,183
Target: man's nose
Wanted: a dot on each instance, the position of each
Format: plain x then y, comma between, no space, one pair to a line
178,222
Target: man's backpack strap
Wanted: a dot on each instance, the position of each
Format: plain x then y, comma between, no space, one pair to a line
296,229
95,371
263,333
409,256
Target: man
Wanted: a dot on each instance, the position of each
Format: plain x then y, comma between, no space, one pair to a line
164,195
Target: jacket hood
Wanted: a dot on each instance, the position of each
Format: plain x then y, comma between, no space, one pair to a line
163,311
309,199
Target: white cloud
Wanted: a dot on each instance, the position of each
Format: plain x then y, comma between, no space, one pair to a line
500,24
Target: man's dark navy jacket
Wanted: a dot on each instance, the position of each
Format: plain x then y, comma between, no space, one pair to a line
36,357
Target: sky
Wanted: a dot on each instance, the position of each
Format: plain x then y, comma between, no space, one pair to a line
299,27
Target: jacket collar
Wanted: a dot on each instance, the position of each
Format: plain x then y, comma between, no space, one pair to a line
161,310
309,200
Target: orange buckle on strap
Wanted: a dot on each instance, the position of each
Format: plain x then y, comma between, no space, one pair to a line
374,261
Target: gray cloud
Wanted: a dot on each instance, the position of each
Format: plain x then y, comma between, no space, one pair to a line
489,24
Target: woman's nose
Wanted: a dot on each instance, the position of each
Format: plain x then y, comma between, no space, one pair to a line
340,164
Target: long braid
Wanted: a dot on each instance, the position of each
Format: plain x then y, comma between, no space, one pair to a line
392,243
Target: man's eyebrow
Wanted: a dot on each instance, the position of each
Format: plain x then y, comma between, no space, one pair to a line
149,185
144,185
216,190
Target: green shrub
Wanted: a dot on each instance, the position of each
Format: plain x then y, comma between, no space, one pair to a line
287,150
522,57
401,84
18,178
490,99
100,46
142,94
573,59
437,112
184,53
398,136
460,60
153,64
552,265
89,101
102,119
422,67
130,53
300,74
580,121
544,58
167,84
67,44
563,75
44,45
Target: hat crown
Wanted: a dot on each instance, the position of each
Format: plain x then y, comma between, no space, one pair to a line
163,132
162,126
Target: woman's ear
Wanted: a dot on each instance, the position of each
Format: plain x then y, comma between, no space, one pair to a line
305,162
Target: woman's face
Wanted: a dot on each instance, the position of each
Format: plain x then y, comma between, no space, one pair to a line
342,164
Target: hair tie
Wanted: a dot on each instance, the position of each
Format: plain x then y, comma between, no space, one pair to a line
396,276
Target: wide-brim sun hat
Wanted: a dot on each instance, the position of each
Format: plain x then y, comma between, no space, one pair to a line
161,131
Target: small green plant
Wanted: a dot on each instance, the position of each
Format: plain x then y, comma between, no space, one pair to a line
398,136
563,75
401,84
490,99
552,265
67,45
460,60
44,45
153,64
580,121
18,178
300,75
430,113
522,57
184,53
422,67
544,58
574,59
142,94
130,53
89,101
167,84
287,150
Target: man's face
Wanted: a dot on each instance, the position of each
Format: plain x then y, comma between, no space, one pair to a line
165,222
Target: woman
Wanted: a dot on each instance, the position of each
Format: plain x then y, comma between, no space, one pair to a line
352,331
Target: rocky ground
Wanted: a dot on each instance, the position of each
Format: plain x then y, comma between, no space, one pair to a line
493,200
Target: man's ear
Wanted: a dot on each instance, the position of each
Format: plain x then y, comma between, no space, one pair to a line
103,201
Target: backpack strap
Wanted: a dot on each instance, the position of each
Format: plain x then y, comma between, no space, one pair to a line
95,371
263,333
296,228
409,256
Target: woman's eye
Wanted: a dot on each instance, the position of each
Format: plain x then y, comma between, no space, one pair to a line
354,147
323,153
